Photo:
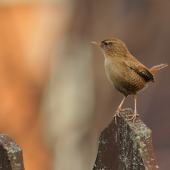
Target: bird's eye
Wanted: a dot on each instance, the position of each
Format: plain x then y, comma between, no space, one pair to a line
105,43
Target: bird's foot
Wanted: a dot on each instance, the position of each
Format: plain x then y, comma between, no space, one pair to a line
137,115
133,117
117,114
129,110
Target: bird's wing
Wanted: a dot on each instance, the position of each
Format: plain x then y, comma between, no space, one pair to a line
140,69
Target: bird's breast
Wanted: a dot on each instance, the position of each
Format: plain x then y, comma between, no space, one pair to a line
124,79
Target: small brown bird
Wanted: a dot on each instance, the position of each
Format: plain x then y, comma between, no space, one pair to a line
124,71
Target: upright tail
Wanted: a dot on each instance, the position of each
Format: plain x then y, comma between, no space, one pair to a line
155,68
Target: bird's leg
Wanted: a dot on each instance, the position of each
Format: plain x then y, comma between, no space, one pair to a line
119,109
135,112
120,106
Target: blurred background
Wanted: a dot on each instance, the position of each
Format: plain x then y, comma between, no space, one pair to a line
55,98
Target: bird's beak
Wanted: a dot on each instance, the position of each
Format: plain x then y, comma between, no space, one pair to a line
96,42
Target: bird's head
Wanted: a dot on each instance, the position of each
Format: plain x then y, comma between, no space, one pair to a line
112,47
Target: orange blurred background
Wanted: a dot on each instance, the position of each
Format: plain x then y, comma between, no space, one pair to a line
55,96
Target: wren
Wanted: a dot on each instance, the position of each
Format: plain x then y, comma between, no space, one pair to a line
124,71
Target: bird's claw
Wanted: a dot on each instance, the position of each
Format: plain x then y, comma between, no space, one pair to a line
133,117
137,115
117,114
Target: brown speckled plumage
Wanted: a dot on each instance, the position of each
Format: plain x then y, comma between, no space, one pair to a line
124,71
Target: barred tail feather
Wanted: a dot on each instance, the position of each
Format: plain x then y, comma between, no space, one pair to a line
155,68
